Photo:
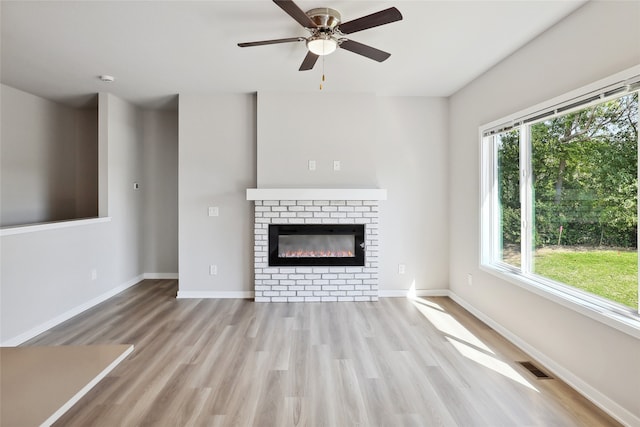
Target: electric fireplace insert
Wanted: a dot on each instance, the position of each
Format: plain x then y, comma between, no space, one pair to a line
316,244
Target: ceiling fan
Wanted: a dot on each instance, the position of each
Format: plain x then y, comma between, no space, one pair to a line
327,32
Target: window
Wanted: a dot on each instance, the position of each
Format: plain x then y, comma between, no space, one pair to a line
560,198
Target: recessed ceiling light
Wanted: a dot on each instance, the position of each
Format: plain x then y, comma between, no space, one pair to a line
107,78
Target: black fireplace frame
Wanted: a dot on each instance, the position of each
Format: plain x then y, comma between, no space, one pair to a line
357,230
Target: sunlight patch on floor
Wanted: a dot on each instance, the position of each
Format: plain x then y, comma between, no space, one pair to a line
466,343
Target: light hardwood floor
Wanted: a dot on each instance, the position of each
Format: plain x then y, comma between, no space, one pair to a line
234,362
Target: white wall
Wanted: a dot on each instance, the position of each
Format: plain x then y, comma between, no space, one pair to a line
160,192
406,153
217,163
48,160
294,128
598,40
46,275
410,160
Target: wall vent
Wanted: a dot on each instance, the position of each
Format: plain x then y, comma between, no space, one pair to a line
539,373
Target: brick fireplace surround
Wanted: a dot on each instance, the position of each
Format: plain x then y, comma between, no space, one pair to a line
316,206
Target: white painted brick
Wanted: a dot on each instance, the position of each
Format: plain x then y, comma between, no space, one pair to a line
258,214
328,221
337,269
363,209
363,298
312,299
279,288
279,220
263,220
337,202
320,293
320,270
287,214
287,270
312,209
329,276
338,215
263,208
270,282
320,282
295,299
304,270
278,208
347,288
339,282
296,276
263,276
258,202
354,293
304,214
296,287
354,282
304,282
287,282
338,293
258,282
321,203
259,298
346,299
371,293
346,276
272,270
296,220
354,269
271,202
329,288
313,221
329,299
287,202
313,288
312,276
346,209
257,294
288,293
280,276
329,209
321,215
296,208
278,299
363,276
346,221
370,282
304,293
262,288
305,202
271,294
363,287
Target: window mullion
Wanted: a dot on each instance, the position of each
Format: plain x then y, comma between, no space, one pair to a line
526,201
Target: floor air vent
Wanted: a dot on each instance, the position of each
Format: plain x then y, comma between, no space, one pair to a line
539,373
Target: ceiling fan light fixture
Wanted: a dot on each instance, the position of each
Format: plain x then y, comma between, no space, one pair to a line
322,45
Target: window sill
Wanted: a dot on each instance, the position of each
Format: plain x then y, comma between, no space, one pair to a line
32,228
629,323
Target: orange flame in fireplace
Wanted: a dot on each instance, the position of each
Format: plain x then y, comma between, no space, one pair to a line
315,254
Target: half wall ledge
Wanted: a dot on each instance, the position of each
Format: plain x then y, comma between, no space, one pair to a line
316,194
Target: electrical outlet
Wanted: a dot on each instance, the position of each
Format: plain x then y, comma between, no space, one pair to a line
213,270
312,165
136,186
401,268
470,279
214,211
336,165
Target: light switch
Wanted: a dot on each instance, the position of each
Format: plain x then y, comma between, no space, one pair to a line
213,211
336,165
312,165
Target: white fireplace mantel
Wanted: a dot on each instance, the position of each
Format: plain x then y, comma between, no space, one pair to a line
316,194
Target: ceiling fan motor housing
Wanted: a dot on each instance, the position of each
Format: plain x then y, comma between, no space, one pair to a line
326,19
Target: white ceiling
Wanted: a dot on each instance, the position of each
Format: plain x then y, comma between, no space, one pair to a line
157,49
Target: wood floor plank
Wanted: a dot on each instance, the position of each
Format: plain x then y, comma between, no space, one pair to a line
396,362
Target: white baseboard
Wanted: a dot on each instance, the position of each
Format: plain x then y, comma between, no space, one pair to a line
33,332
596,397
160,276
215,294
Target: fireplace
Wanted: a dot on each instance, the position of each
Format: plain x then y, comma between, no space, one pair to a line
317,244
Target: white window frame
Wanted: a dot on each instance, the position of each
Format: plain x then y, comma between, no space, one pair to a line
598,308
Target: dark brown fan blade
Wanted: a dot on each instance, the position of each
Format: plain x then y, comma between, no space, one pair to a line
295,12
364,50
386,16
309,61
275,41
